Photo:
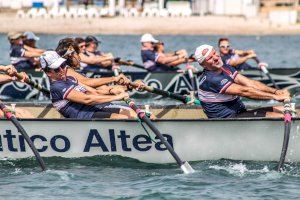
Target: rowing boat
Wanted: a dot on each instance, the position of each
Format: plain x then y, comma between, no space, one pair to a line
171,81
192,136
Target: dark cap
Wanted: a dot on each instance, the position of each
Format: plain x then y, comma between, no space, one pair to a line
92,39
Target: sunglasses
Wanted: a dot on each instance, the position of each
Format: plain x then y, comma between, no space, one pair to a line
81,46
225,47
61,67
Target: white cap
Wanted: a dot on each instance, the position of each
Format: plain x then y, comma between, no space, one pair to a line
31,36
50,59
200,57
148,38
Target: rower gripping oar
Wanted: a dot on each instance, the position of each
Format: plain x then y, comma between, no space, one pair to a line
287,130
266,72
184,99
184,165
35,85
21,130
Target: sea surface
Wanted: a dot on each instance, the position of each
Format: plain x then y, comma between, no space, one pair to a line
279,51
113,177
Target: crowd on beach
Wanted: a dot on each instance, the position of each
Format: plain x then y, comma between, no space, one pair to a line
76,96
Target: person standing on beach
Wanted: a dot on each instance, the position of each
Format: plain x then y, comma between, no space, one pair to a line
91,46
234,57
20,56
156,61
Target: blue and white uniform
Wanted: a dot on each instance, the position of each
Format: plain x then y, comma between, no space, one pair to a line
232,56
215,103
17,58
60,90
93,68
149,59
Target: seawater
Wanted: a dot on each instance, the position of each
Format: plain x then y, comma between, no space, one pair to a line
114,177
280,51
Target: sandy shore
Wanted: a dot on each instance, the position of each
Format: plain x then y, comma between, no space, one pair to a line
119,25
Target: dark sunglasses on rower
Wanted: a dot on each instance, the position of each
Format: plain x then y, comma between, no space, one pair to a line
62,66
225,47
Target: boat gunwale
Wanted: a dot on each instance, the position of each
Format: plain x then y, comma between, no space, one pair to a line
157,120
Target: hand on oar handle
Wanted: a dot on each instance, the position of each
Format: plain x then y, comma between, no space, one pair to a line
9,69
121,80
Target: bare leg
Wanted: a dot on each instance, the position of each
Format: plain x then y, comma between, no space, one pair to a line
118,116
274,114
129,113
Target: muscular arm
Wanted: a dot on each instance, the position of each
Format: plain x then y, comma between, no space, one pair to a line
32,54
92,60
243,80
91,99
5,78
163,59
28,48
236,62
91,82
248,92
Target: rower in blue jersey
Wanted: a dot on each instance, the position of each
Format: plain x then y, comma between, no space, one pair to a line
234,57
20,55
221,87
158,61
70,50
91,50
74,100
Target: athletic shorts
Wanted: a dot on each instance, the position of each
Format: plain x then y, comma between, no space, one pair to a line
259,112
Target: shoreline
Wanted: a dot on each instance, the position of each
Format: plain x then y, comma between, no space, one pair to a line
206,25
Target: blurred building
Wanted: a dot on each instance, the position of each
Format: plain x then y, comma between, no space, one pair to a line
277,11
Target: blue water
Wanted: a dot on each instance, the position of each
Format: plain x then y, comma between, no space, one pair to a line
278,51
123,178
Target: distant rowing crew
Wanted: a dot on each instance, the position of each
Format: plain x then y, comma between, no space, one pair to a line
24,54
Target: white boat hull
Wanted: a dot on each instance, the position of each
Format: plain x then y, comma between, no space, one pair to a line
193,140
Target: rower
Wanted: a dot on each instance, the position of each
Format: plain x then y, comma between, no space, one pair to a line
19,55
234,57
159,61
74,100
10,76
91,46
221,87
68,49
29,41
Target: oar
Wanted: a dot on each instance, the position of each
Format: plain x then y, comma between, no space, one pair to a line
34,84
184,165
21,130
184,99
130,63
191,75
266,72
287,130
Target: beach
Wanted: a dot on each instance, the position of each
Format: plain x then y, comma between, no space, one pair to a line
194,25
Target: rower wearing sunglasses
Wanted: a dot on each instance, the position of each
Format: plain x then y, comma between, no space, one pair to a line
75,100
233,57
70,50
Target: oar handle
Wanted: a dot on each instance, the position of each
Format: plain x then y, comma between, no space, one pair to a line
184,99
21,130
34,84
131,63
